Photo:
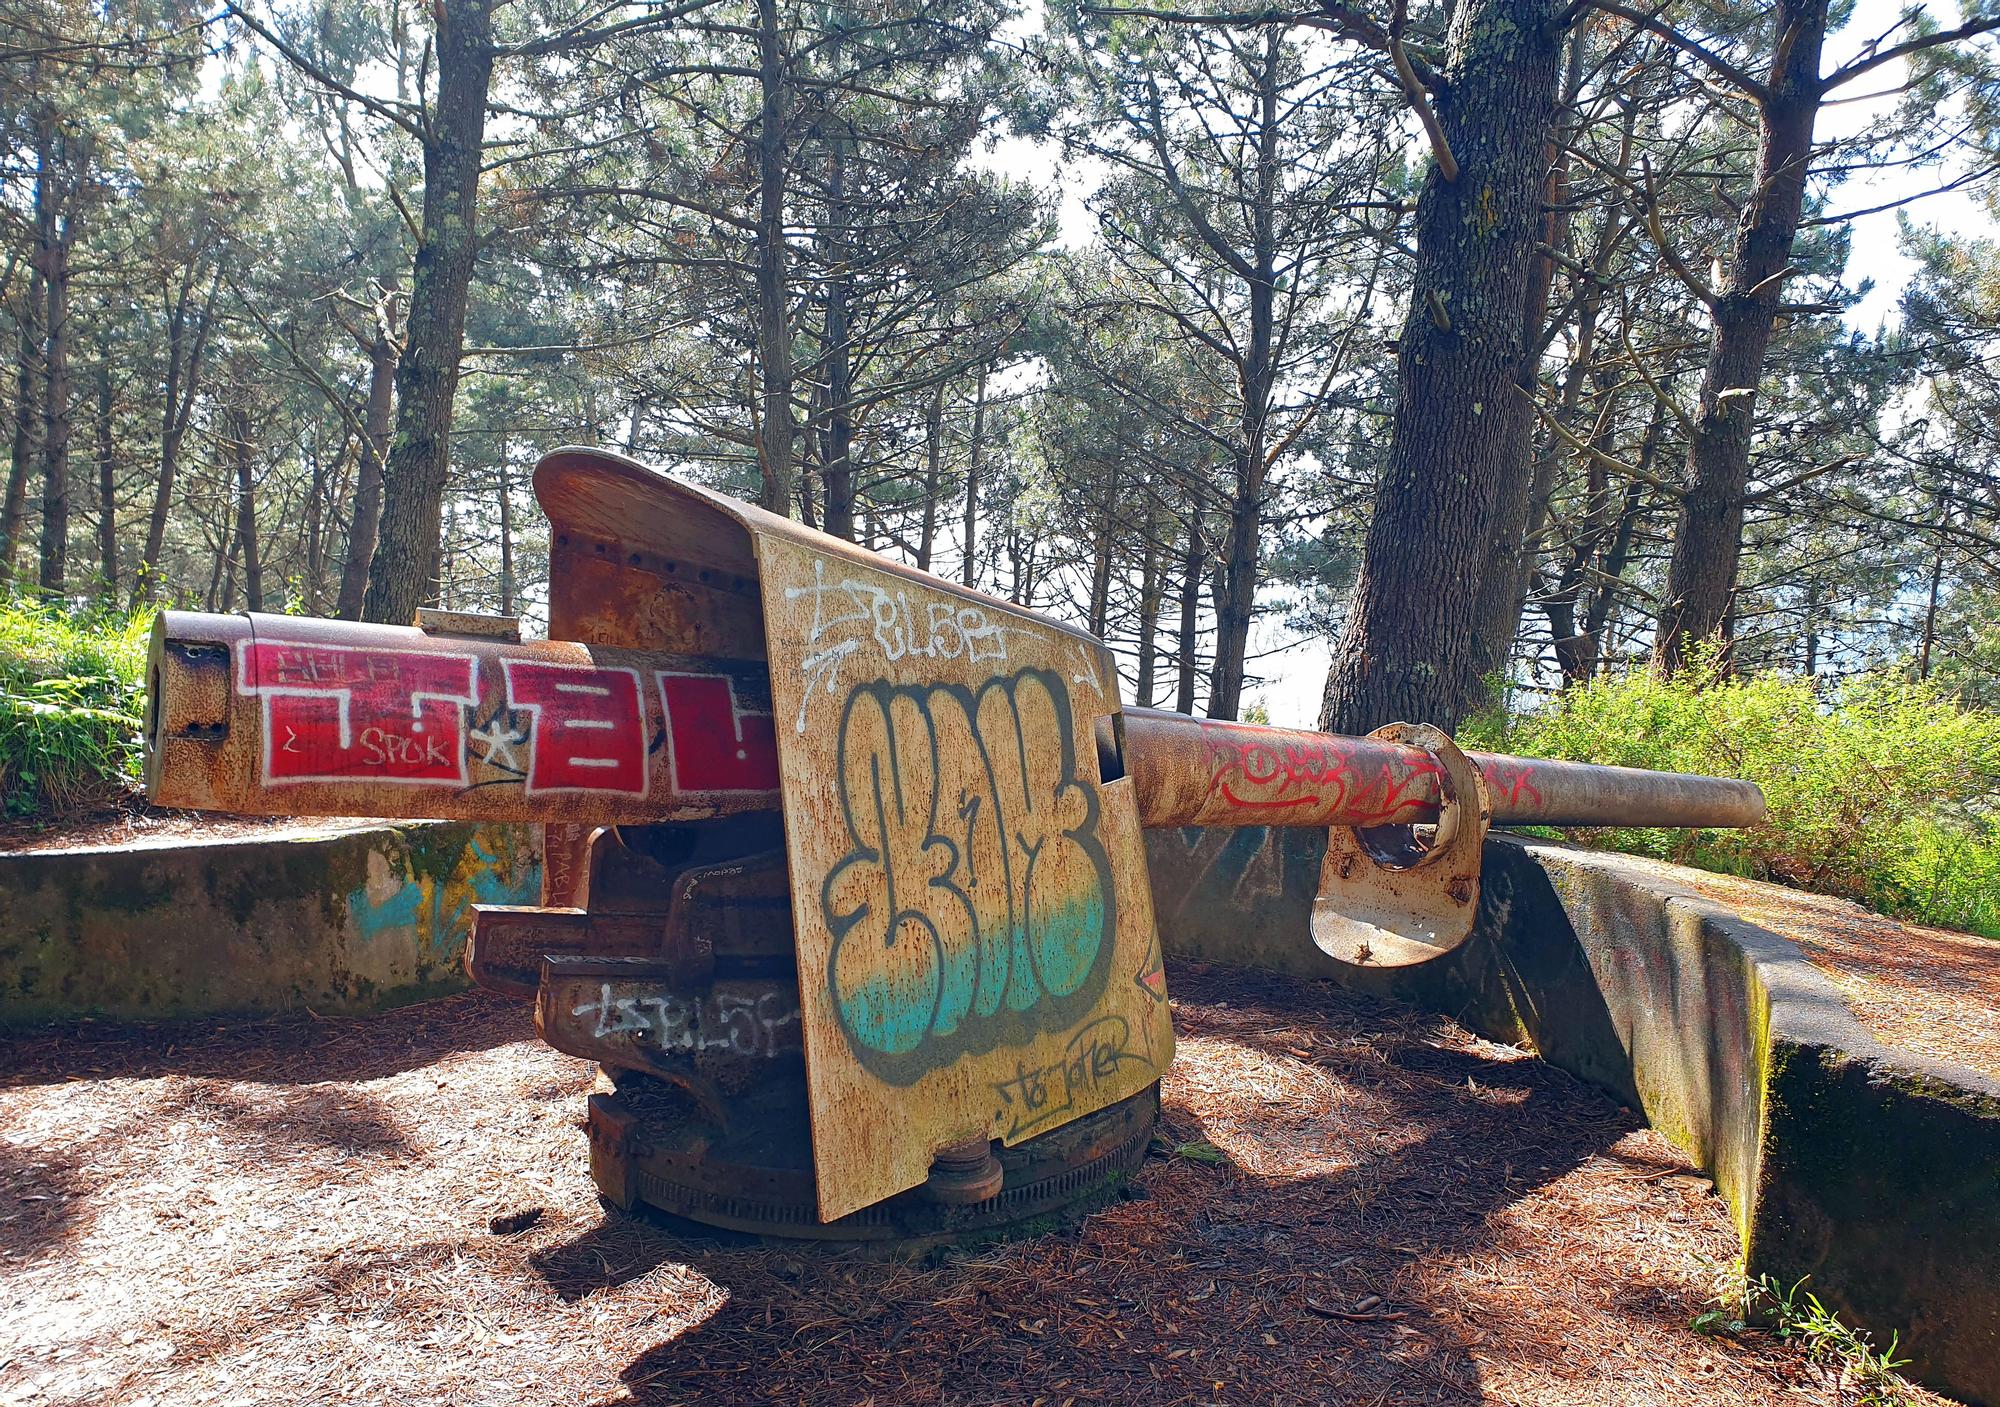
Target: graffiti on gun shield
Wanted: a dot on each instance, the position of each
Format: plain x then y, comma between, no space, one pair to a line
975,906
1033,1098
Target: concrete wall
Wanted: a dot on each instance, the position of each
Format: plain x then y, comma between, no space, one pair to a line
1876,1173
343,920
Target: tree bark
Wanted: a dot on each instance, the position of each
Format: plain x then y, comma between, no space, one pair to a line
1708,537
185,350
27,418
775,431
1237,600
1190,623
107,486
1525,489
1149,616
968,572
507,532
1406,650
55,232
405,564
246,507
933,476
377,423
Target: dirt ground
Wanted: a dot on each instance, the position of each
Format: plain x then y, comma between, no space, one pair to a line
1350,1202
1930,991
138,823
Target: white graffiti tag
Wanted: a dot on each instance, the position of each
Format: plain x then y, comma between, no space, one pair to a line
762,1025
848,613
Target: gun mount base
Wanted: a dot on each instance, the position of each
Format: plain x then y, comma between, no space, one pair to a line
653,1146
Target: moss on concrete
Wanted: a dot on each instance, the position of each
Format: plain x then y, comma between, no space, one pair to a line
346,921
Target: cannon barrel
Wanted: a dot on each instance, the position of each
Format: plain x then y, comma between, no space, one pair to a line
1190,772
461,719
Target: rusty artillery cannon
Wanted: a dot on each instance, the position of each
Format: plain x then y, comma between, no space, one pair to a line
843,879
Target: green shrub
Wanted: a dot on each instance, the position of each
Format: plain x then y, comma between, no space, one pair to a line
71,705
1883,791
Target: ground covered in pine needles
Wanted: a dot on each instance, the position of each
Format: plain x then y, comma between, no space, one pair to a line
1349,1202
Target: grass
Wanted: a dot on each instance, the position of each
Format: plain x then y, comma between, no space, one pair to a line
71,707
1795,1315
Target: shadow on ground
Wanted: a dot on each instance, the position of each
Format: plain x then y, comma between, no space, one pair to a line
1284,1246
295,1049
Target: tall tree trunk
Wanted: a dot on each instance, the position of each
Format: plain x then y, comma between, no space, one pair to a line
27,420
933,476
1406,650
419,464
316,527
1524,491
968,570
1708,537
837,435
107,486
54,233
1929,638
507,531
1190,625
1149,616
1241,547
377,423
1100,560
246,507
186,348
775,431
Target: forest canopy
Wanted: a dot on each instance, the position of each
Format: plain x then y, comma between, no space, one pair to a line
1504,344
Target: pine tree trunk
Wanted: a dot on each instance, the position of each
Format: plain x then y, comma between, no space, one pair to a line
1190,625
775,431
1523,505
246,508
185,352
506,532
837,436
107,487
1407,649
1708,538
933,476
53,240
1149,618
405,564
968,569
27,418
377,423
1237,601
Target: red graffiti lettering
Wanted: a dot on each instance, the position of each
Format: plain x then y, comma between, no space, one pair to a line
1511,790
1281,773
714,745
588,726
335,714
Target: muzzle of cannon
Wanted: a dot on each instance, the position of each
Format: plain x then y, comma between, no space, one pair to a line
844,885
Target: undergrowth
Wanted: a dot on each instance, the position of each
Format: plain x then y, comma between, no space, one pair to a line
1885,790
1740,1305
72,687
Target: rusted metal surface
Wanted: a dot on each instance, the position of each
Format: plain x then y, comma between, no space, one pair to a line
1389,897
1201,772
282,715
844,877
975,949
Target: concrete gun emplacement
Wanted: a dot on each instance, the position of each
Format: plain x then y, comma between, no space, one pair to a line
843,878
